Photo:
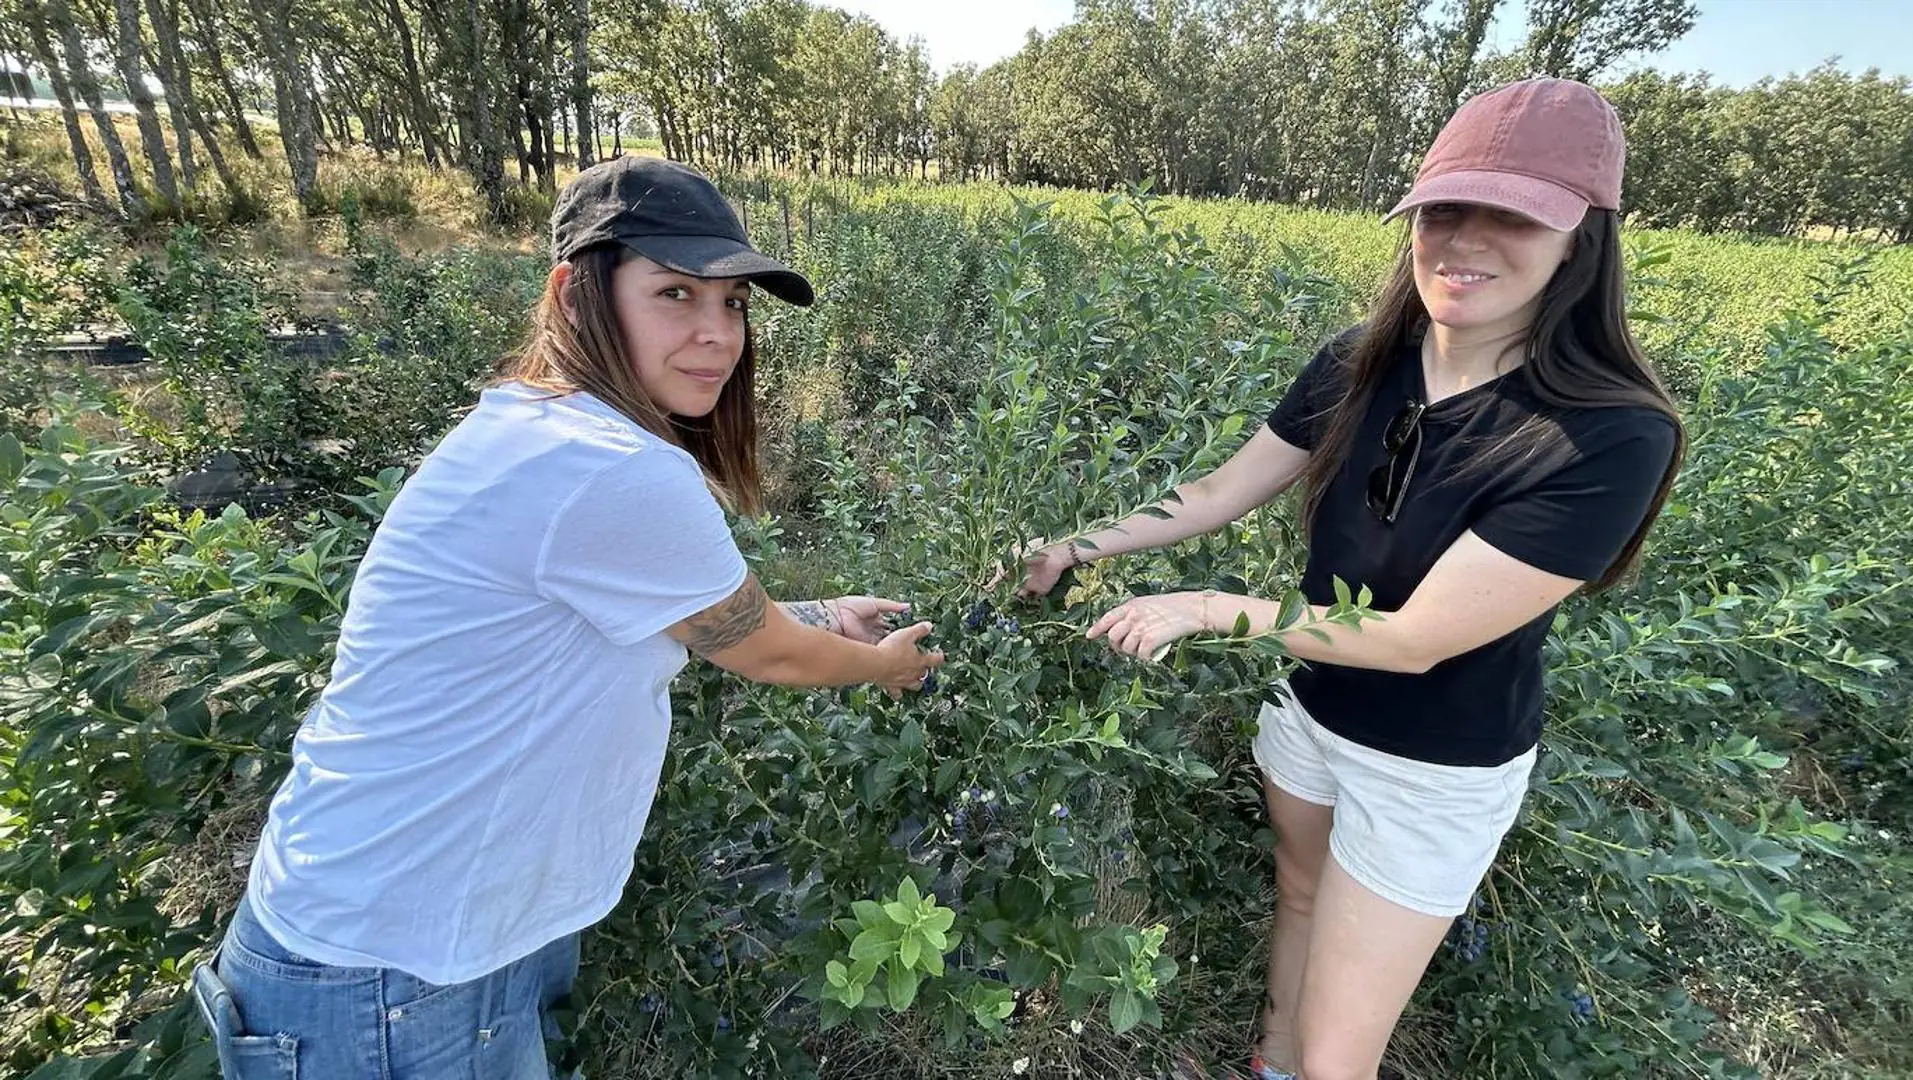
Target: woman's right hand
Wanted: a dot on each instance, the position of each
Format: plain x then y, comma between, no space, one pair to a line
905,666
1043,567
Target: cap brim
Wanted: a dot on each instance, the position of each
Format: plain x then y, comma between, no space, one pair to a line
1542,200
717,257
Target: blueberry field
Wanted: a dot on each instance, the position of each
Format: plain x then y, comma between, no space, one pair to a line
1056,863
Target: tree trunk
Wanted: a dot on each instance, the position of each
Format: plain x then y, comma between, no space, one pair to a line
194,114
489,165
581,79
152,136
421,109
9,48
60,16
70,116
548,100
292,102
206,34
176,80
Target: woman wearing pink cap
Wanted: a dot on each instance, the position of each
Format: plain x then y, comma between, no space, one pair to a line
1488,443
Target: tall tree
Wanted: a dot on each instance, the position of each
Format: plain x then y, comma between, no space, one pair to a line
61,22
205,34
175,79
1582,39
127,49
291,82
34,17
581,78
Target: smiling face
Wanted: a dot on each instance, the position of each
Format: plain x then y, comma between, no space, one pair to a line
684,335
1482,270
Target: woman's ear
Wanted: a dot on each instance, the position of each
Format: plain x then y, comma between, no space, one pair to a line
560,280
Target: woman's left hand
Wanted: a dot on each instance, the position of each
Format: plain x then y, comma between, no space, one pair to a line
860,618
1147,625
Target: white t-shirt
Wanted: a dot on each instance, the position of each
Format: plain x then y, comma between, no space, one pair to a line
473,782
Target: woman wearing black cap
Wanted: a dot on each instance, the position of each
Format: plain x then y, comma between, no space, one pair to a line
470,788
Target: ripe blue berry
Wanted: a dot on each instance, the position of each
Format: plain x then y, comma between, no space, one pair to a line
930,683
723,1023
980,613
1060,811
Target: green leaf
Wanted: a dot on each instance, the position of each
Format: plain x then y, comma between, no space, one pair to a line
909,949
13,459
907,893
872,945
870,914
836,975
1125,1010
902,983
1826,920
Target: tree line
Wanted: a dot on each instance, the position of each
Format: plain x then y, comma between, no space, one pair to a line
1327,103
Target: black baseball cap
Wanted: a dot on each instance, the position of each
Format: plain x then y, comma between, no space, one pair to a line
670,214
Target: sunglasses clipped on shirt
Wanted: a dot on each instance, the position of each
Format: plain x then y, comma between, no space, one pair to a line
1388,483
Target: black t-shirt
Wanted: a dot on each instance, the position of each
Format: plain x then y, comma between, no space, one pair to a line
1568,510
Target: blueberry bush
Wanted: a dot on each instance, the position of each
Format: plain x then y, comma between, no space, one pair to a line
1054,861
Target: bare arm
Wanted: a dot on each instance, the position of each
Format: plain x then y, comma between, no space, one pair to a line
748,635
1265,467
811,613
1473,595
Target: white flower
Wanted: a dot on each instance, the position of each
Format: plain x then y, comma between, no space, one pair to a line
1020,1066
1075,1027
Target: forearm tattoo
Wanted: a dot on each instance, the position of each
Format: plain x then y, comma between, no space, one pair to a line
728,622
810,613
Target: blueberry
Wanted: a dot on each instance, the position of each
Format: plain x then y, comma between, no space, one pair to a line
980,613
1060,811
1119,856
930,683
1008,625
1128,834
649,1004
723,1023
1583,1005
1855,761
1469,938
975,794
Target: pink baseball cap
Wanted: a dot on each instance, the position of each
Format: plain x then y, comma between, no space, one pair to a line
1544,148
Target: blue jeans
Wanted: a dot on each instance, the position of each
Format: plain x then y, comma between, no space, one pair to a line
279,1016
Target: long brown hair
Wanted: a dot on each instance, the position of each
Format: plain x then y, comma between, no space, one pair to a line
1579,355
564,358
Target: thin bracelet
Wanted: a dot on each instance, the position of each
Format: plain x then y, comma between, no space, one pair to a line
1075,557
836,613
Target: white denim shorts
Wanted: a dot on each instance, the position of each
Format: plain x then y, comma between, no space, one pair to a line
1415,834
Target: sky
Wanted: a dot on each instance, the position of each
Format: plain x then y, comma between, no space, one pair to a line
1739,41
